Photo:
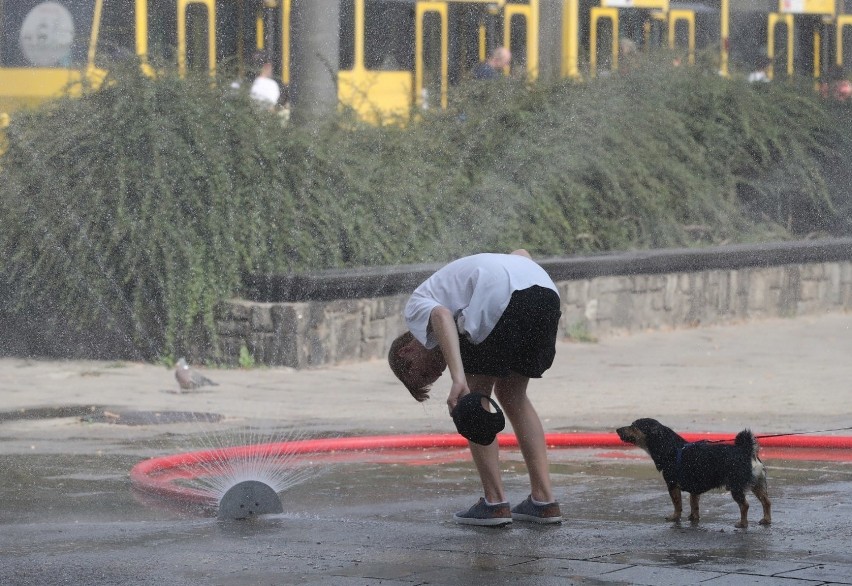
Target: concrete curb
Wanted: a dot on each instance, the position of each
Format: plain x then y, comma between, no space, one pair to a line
381,281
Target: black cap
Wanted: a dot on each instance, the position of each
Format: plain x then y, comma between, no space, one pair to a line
474,422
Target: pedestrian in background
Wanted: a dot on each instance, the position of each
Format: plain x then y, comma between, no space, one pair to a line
493,67
264,89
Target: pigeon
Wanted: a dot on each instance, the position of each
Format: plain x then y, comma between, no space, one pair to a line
189,379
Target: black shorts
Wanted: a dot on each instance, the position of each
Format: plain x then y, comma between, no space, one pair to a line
523,341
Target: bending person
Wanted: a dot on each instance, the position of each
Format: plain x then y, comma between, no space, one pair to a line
492,321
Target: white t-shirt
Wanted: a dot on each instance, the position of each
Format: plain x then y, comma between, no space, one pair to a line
476,289
758,76
266,91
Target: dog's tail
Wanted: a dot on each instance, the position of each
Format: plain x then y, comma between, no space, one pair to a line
746,441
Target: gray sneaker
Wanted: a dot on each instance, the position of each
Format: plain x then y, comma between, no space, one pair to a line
545,514
485,515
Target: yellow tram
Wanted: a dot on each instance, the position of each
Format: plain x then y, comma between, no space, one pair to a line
395,55
813,35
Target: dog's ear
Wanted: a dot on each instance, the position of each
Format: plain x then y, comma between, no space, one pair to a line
646,425
655,434
651,434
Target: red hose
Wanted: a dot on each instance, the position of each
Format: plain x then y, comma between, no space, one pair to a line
158,475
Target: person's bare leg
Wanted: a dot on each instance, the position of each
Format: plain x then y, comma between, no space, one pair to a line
487,461
512,394
487,458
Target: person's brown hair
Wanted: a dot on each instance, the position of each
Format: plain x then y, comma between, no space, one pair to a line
399,367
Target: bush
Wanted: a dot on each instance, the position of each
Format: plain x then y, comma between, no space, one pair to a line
132,211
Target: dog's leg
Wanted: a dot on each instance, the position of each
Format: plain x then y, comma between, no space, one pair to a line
739,496
677,501
760,491
693,506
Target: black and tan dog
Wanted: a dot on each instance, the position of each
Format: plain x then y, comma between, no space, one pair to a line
699,466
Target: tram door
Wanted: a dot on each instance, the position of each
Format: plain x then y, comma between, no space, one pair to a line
222,34
474,30
651,23
179,30
453,36
477,28
245,27
431,54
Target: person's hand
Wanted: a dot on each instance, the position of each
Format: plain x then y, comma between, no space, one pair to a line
457,391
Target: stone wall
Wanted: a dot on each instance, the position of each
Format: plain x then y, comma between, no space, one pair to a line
310,333
609,305
601,296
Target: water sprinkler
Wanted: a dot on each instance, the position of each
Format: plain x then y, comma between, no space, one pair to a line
248,499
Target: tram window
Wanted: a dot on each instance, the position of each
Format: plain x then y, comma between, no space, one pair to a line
656,33
681,34
197,31
464,39
45,34
706,29
162,30
846,47
518,43
604,45
780,60
116,39
346,55
432,37
748,39
236,33
388,35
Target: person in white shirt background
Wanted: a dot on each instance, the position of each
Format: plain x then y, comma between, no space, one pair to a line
264,89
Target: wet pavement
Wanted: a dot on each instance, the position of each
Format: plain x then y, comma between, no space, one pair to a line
71,431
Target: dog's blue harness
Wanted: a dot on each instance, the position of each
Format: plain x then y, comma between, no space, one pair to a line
679,457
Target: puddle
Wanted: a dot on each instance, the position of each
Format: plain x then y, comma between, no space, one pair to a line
99,414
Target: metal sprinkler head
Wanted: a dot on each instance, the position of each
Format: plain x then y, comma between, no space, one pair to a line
248,499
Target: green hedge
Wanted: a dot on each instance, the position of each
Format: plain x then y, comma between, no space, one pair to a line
134,209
